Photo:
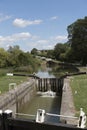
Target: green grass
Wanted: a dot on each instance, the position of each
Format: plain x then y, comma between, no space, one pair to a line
5,80
79,89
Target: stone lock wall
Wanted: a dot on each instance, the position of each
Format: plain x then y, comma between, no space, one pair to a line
17,96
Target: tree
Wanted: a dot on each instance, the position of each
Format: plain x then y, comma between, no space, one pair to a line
50,53
14,53
3,57
34,51
59,49
77,34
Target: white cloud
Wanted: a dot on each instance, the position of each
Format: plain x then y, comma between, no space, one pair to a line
43,41
49,43
43,44
15,37
4,17
28,41
39,44
21,36
24,23
54,18
61,38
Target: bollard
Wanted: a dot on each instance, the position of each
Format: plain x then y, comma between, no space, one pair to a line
6,114
40,116
82,119
1,119
1,112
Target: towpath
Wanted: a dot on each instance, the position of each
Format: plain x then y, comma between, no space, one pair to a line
67,105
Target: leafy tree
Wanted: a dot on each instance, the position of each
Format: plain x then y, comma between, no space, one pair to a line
14,53
59,51
77,34
34,51
19,60
50,53
3,57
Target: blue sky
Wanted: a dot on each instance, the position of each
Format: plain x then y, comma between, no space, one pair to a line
38,24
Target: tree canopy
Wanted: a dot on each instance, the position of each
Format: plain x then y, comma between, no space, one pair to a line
77,34
59,51
16,58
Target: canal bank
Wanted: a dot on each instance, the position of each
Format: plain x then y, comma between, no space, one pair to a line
18,96
67,104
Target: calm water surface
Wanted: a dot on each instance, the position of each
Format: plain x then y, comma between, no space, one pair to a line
45,73
50,105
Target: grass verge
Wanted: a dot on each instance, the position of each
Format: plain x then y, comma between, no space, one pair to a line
5,80
79,89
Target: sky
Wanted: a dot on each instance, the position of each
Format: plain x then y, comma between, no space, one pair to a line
39,24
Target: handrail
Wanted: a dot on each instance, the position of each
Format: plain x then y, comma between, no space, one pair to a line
22,114
48,114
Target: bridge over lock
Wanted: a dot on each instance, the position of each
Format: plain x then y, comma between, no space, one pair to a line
53,84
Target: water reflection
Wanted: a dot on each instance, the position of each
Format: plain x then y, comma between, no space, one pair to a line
45,73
